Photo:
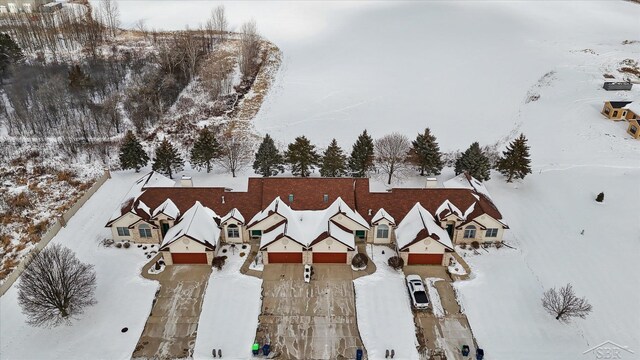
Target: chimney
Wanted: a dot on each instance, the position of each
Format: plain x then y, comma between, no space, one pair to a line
223,199
432,183
186,181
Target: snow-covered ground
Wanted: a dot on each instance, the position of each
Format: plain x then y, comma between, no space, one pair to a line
434,296
124,297
384,311
230,311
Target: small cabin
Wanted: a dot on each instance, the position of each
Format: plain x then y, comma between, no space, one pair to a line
615,110
617,85
634,128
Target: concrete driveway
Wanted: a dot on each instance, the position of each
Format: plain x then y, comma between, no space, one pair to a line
442,335
309,321
170,331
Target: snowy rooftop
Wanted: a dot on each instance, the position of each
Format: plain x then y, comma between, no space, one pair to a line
419,224
168,208
197,223
465,181
382,214
635,107
150,180
233,214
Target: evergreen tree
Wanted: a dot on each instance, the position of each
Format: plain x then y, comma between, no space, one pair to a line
361,160
425,153
515,161
474,162
132,155
205,150
10,53
334,161
167,160
268,161
302,156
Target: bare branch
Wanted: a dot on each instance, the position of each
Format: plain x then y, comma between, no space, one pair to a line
564,304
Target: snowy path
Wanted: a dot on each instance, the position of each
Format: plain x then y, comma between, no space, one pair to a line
384,311
124,297
230,311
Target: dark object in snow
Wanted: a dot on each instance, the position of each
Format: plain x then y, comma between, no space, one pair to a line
233,245
465,350
139,245
359,354
118,245
213,352
393,353
161,262
396,262
564,304
148,256
479,354
582,232
124,329
218,262
255,349
475,245
359,260
244,246
157,265
144,248
266,349
126,245
600,197
386,354
382,252
152,246
617,85
224,251
219,353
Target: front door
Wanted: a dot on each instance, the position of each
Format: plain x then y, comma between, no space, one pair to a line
450,230
165,228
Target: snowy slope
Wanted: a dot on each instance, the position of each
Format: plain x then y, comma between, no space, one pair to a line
124,297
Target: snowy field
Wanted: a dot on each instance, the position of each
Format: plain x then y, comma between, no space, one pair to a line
230,311
124,297
384,311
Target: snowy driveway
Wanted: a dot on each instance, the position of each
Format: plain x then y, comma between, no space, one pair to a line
170,331
309,321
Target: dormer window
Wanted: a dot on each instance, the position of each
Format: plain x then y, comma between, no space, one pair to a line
290,198
325,198
382,232
233,231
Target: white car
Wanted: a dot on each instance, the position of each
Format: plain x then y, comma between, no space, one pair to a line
418,293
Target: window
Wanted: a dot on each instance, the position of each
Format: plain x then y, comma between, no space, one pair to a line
606,111
360,234
144,230
256,234
470,232
633,129
615,113
325,198
290,198
491,233
233,231
123,231
383,231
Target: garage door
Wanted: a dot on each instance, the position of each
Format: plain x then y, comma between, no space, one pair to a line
330,258
189,258
425,259
281,258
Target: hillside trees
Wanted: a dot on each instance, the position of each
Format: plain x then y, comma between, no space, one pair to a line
110,14
361,159
391,155
268,160
334,161
217,24
249,49
237,150
425,154
167,160
301,155
55,287
205,150
474,162
132,155
10,53
515,161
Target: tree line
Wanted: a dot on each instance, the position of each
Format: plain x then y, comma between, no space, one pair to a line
393,155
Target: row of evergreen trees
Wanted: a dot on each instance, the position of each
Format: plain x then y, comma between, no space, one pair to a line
302,157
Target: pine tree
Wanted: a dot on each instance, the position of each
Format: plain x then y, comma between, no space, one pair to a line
334,161
474,162
302,156
10,53
268,161
515,161
361,160
167,160
205,150
425,153
132,155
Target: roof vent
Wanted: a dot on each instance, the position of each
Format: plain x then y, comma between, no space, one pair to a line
186,181
369,212
223,199
432,183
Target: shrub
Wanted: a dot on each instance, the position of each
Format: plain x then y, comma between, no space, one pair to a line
600,197
499,245
475,245
118,245
144,248
224,251
65,175
463,245
242,254
218,262
396,262
126,245
19,202
244,246
359,260
157,265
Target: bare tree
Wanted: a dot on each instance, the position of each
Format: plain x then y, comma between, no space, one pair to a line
391,155
237,151
141,26
110,14
249,49
55,287
218,24
564,304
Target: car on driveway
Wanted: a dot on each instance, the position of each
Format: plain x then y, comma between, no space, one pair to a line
417,291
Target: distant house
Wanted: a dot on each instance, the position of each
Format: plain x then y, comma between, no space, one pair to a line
27,6
634,128
615,110
617,85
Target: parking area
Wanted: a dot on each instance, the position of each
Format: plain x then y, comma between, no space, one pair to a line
170,331
446,334
315,320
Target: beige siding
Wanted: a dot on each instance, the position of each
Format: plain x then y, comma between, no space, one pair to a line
156,234
267,222
284,245
373,234
430,247
488,222
329,245
244,234
348,223
124,221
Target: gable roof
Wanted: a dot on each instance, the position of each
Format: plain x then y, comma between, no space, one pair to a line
168,208
417,225
198,224
634,107
382,214
233,214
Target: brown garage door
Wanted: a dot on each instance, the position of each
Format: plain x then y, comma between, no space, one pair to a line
189,258
280,258
425,259
330,258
